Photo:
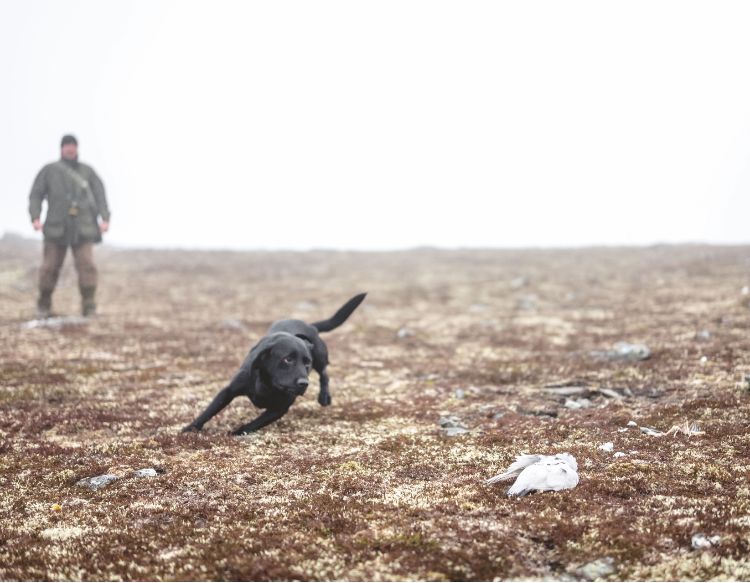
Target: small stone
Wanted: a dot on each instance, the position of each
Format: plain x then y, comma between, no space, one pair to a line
527,302
701,541
145,473
619,454
56,322
404,333
704,359
651,432
598,569
452,426
609,446
233,324
745,290
450,421
566,391
519,282
703,335
628,351
459,394
578,403
453,431
612,394
97,482
632,423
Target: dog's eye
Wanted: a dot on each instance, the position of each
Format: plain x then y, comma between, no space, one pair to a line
288,360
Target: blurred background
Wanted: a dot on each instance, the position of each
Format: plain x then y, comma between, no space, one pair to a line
299,125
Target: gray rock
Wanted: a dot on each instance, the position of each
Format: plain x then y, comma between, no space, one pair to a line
629,351
597,569
233,324
632,423
145,473
616,393
703,335
453,431
625,351
404,333
701,541
527,302
519,282
459,394
578,404
97,482
450,421
452,426
56,322
652,432
609,446
567,391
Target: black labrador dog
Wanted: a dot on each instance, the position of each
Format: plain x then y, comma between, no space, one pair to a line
275,371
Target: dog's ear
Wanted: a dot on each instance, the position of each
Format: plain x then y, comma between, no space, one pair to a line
258,352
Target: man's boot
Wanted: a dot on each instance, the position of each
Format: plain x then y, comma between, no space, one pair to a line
88,301
44,304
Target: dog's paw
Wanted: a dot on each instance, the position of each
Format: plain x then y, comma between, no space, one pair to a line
190,429
324,399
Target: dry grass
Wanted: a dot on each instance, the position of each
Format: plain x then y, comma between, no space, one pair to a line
369,488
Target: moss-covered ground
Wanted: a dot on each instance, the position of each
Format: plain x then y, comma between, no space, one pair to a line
371,487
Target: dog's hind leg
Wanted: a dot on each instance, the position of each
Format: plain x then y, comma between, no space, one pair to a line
268,416
324,397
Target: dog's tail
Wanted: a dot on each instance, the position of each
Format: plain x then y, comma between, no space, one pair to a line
340,317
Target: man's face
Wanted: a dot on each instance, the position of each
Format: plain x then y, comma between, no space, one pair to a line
69,151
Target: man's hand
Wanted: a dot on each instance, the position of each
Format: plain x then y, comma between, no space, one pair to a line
104,226
37,224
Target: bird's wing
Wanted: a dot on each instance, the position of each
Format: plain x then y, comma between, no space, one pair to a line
545,475
522,462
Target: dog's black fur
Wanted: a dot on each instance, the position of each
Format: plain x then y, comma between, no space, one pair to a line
276,370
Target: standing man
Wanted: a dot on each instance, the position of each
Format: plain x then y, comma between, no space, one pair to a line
77,215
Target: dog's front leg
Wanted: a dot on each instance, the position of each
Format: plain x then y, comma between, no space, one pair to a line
324,397
220,401
268,416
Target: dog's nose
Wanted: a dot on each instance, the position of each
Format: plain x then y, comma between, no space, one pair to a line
302,383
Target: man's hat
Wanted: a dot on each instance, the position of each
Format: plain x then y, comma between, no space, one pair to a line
68,139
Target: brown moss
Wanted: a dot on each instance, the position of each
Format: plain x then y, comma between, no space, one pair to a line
371,488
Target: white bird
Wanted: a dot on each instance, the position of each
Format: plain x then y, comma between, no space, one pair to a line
540,473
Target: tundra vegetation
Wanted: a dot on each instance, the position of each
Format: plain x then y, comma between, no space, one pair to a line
515,347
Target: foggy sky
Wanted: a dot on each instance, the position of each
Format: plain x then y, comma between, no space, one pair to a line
385,125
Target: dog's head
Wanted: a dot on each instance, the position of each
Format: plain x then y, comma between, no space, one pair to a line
284,361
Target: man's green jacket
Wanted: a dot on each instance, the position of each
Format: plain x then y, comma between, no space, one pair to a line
75,200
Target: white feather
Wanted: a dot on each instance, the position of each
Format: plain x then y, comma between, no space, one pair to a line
522,462
540,473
